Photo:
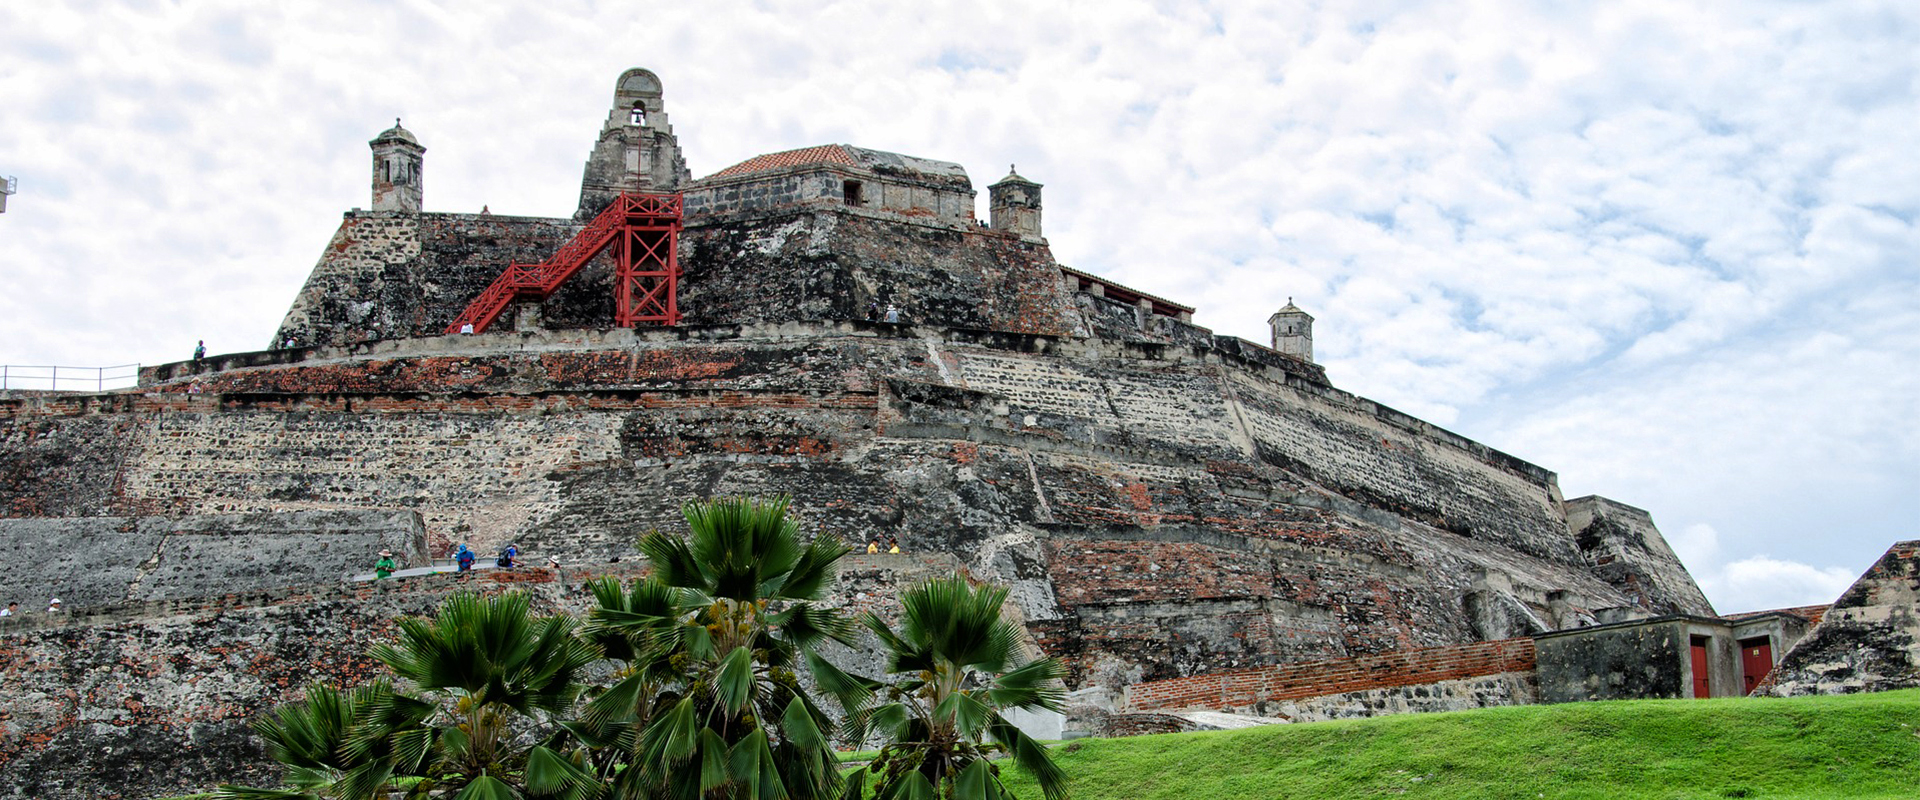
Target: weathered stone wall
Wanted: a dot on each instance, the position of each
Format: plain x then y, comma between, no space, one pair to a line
1868,641
833,263
1492,691
89,561
821,184
1629,552
150,699
1159,510
392,275
1424,679
1615,662
389,275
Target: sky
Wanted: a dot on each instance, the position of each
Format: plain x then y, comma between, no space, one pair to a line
1665,248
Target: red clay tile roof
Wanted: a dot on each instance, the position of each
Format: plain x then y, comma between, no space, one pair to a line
1812,614
824,154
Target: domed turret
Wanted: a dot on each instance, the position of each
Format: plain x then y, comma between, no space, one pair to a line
1292,331
1014,205
397,162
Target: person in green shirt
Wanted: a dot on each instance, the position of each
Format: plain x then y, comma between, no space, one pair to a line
385,566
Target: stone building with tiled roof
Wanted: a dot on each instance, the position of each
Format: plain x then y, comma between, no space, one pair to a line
921,189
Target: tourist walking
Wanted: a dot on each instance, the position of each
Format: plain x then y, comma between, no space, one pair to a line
385,566
200,351
10,610
53,606
464,558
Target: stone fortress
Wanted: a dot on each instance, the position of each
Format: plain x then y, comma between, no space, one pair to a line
1189,521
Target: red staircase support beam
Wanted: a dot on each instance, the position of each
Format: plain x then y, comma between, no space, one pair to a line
644,232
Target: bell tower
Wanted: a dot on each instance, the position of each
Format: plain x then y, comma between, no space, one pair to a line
397,158
637,151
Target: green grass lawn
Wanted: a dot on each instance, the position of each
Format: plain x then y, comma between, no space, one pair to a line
1858,746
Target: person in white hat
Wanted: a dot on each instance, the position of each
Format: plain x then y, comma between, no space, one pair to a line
53,606
385,566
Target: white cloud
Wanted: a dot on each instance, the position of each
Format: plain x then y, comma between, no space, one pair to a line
1758,583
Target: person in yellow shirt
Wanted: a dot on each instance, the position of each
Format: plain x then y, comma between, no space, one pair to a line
873,546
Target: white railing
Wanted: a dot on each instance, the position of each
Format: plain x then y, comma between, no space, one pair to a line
69,379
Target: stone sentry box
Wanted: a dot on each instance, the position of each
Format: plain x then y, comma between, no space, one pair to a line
1653,658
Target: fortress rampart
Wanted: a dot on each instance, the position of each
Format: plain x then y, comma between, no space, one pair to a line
1163,502
1253,515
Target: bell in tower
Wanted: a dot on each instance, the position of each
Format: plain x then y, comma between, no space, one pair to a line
636,151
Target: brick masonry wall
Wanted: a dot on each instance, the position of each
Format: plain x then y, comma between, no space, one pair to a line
1260,690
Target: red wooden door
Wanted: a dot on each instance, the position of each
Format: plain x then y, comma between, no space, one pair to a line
1756,660
1701,686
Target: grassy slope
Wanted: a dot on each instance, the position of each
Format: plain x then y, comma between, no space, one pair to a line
1812,747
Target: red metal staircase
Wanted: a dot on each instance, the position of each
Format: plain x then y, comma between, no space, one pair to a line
643,229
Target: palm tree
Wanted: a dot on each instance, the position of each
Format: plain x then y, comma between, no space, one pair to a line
953,661
493,667
710,705
311,737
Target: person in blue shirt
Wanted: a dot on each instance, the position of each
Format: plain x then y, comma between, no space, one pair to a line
464,558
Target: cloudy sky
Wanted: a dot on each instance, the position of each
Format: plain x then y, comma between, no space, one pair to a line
1665,248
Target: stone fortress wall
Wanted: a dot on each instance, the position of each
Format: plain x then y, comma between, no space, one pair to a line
1164,502
94,561
1868,641
151,699
1161,510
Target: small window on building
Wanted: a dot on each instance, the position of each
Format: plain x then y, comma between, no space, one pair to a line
850,192
638,116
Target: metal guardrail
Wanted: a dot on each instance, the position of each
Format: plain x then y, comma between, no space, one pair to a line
69,379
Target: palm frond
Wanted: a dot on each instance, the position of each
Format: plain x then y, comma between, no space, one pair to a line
1034,685
856,785
968,715
550,773
955,622
813,572
733,682
850,691
805,625
976,782
1031,758
486,787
